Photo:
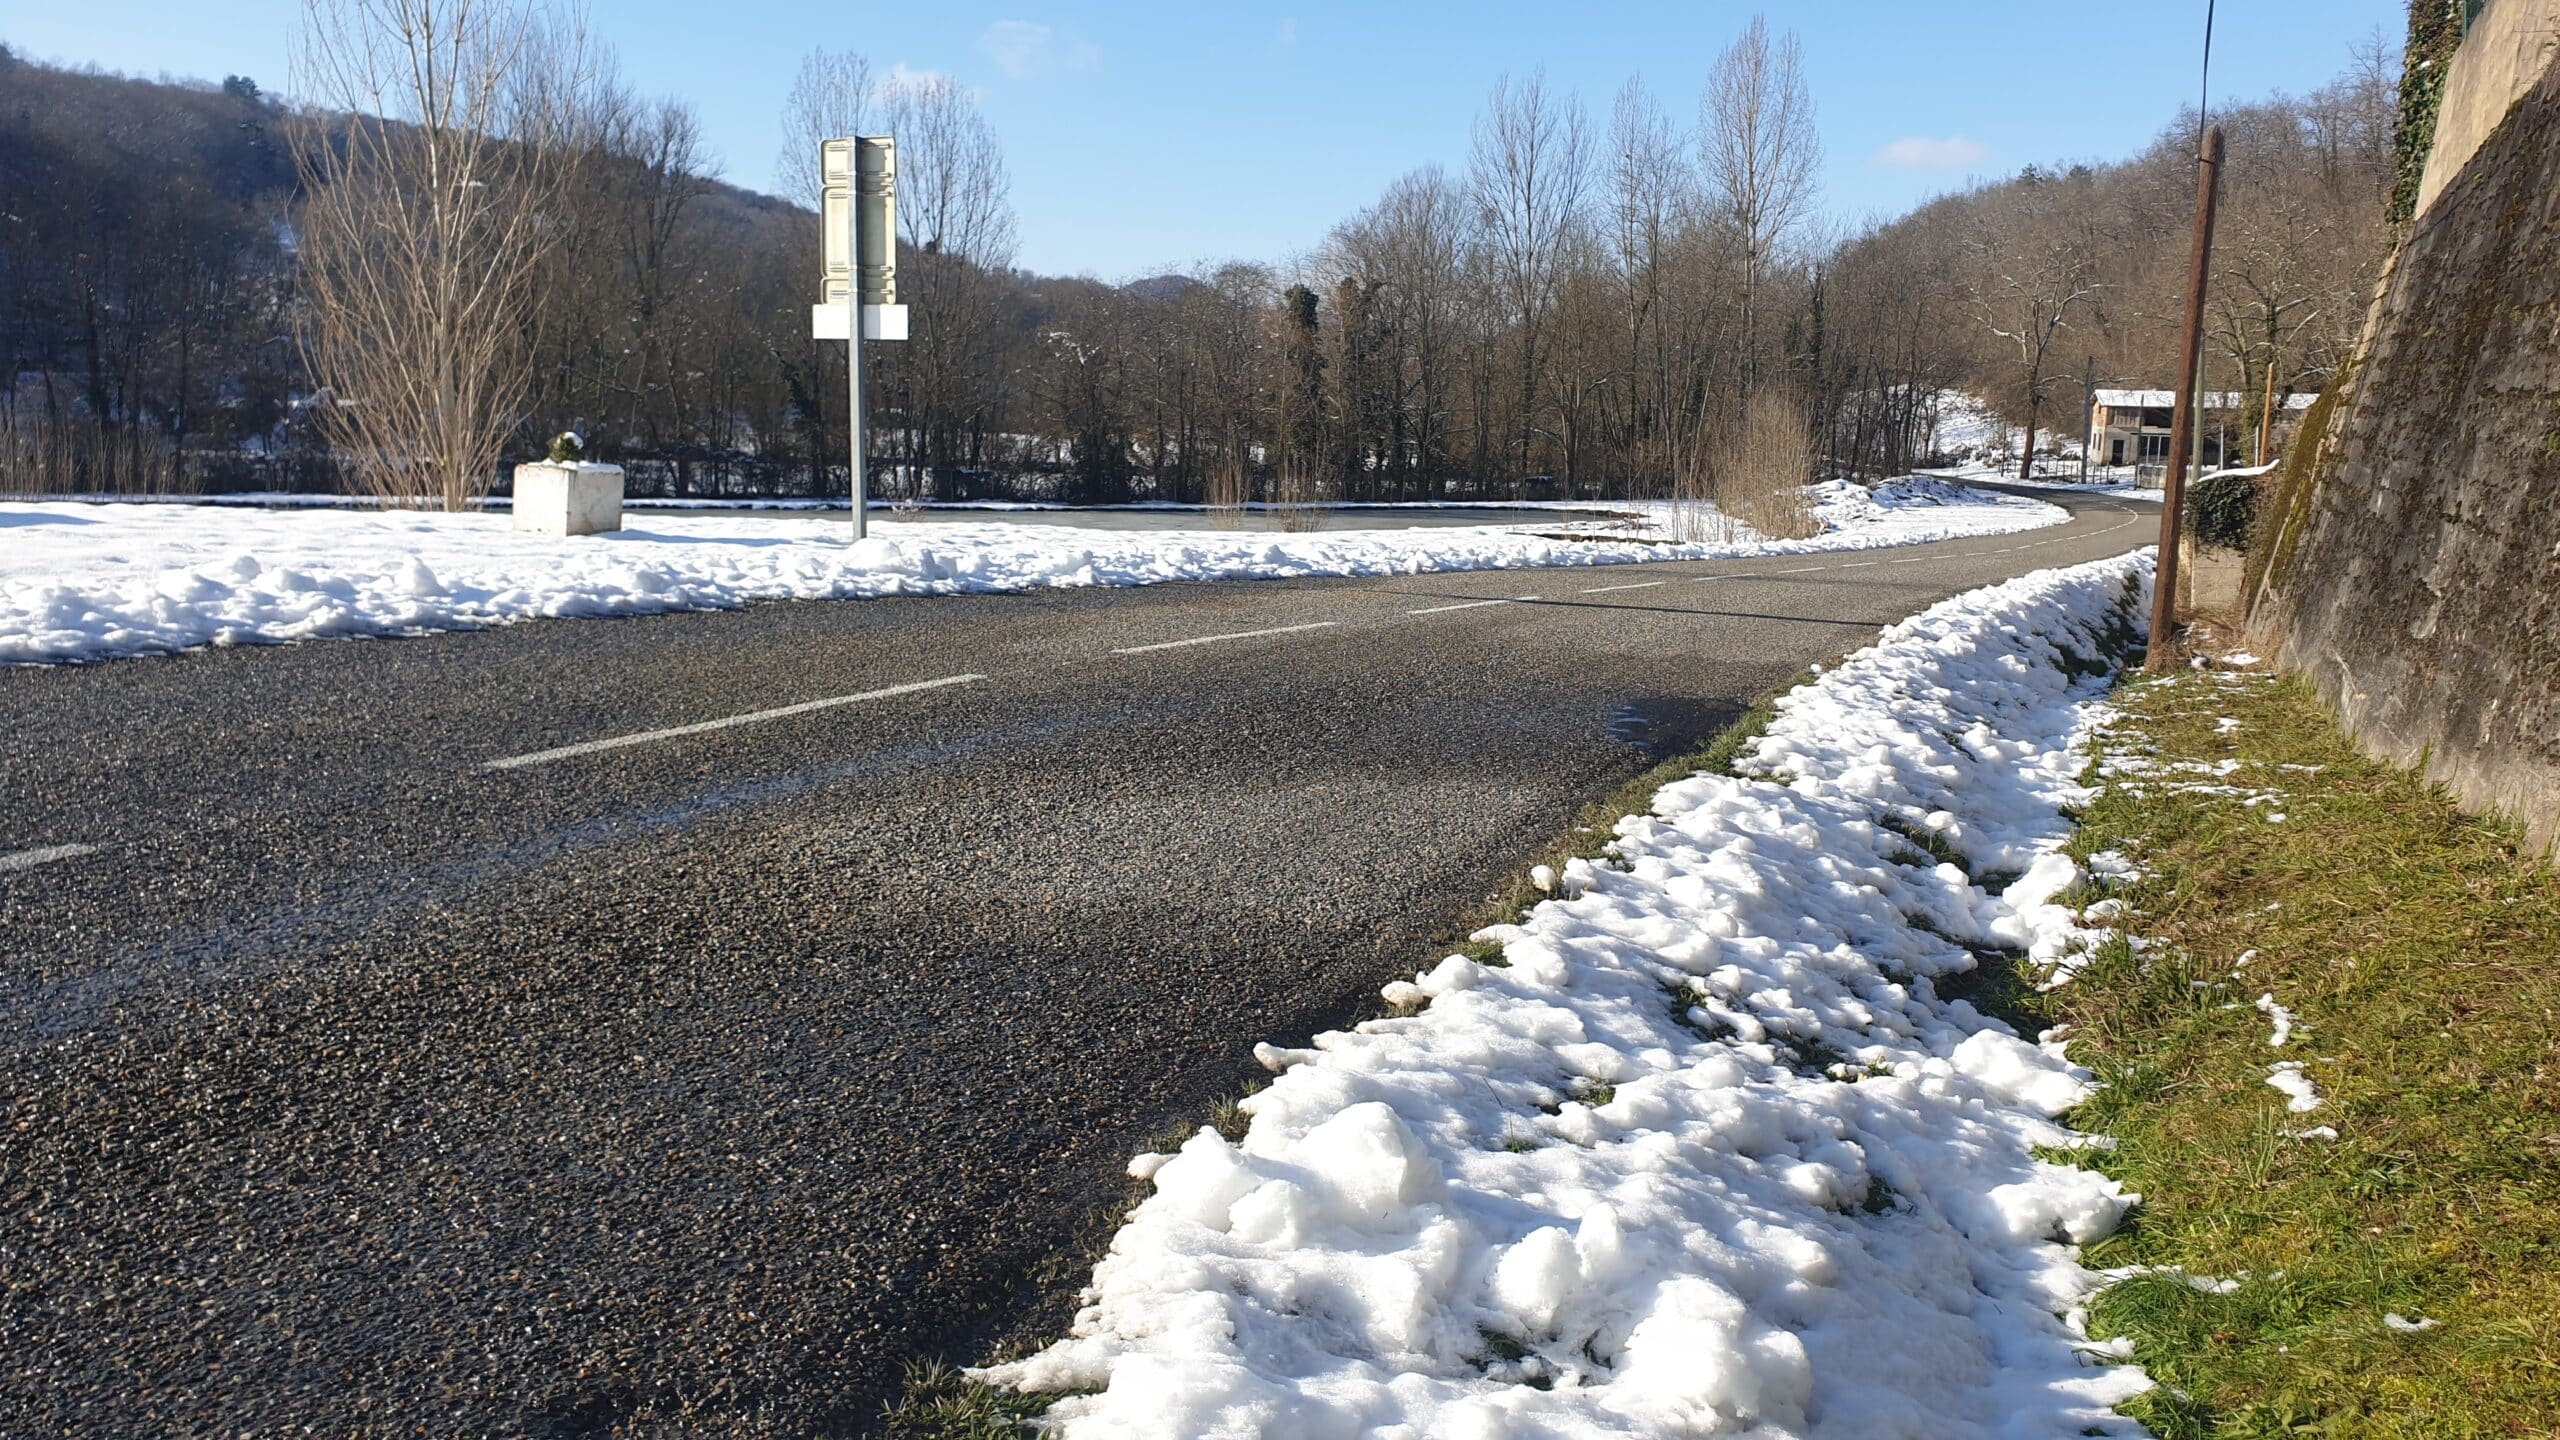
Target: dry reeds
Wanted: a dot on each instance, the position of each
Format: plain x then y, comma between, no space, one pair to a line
85,459
1762,465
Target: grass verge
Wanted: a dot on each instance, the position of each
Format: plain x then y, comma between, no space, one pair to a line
2418,950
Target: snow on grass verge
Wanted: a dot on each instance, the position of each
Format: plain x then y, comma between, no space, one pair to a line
81,581
1708,1151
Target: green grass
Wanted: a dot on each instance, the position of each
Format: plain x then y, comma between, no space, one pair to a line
940,1403
2419,950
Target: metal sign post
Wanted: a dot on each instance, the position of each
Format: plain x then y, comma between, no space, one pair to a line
858,281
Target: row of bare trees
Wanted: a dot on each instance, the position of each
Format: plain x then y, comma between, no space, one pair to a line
471,234
2059,274
1600,310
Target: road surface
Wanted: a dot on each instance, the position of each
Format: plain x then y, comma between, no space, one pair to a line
676,1025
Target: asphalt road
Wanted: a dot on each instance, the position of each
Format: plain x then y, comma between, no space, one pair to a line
357,1082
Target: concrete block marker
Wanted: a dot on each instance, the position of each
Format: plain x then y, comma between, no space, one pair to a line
568,498
726,722
17,860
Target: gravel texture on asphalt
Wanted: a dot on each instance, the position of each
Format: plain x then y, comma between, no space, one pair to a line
695,1087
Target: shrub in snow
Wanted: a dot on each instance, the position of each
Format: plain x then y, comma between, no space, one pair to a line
1708,1152
567,448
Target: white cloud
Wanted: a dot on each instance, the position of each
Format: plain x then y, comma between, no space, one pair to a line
1022,49
1288,38
902,76
905,79
1919,152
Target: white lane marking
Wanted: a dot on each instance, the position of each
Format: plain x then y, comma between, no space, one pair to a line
1469,605
1861,565
17,860
1639,585
590,747
1230,635
1800,570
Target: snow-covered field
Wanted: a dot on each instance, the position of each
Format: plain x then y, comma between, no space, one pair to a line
1709,1152
2123,489
1985,447
84,581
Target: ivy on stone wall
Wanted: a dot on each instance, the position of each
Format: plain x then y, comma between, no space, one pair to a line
2288,512
2222,510
2435,32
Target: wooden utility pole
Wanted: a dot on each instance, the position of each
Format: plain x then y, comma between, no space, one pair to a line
2182,421
2088,413
2267,414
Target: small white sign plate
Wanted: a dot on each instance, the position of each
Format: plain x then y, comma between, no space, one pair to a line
879,322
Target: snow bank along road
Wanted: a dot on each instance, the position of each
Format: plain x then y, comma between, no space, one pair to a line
679,1022
84,582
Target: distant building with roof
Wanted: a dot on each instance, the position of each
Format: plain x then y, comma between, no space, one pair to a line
2131,427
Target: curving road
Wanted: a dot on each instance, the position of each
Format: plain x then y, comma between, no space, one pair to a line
676,1025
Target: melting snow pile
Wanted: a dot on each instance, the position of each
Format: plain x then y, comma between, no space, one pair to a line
79,581
1710,1153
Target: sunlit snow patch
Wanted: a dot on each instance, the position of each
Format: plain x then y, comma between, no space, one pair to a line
80,581
2301,1096
1712,1152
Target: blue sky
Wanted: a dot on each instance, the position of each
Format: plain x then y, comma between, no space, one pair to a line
1146,136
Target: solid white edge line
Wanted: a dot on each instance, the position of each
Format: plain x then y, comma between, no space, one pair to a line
1639,585
1230,635
672,732
17,860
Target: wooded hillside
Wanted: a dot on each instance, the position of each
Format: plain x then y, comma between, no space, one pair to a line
1590,305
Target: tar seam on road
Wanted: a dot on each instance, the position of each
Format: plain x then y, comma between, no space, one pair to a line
1468,605
590,747
17,860
1229,635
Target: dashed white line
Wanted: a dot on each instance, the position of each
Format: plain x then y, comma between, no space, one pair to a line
1860,565
17,860
1800,570
672,732
1469,605
1639,585
1230,635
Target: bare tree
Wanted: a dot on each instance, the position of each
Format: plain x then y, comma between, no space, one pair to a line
425,229
1531,161
956,241
1410,248
832,97
1756,137
1648,193
2030,266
